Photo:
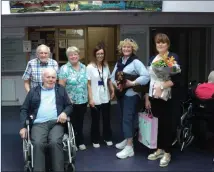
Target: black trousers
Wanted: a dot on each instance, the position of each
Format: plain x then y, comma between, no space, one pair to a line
48,135
163,110
77,119
103,109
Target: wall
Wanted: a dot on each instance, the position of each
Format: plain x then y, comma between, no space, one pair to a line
113,18
16,96
188,6
14,93
140,34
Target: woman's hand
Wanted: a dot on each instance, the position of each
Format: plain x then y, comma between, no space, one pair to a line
129,84
112,95
147,104
91,103
158,92
118,86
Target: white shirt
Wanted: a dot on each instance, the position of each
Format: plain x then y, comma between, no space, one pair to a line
100,93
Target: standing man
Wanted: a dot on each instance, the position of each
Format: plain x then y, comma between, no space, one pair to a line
32,76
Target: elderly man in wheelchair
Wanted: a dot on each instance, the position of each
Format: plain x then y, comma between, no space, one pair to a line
43,115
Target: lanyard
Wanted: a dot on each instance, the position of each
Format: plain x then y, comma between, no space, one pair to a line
100,73
101,77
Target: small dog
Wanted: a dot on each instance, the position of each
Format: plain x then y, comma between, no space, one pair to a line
120,80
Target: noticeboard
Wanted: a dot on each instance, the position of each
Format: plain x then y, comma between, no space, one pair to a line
12,56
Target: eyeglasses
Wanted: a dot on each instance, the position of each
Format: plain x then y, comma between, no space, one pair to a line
100,55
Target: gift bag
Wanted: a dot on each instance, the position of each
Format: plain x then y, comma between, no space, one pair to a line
148,129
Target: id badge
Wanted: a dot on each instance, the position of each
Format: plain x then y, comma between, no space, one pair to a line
100,83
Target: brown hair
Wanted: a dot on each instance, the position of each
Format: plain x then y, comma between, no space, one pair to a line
161,37
100,46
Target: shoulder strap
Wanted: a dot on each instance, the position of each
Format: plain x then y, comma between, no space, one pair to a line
121,66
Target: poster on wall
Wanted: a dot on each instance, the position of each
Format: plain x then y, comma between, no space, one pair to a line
12,56
55,6
26,46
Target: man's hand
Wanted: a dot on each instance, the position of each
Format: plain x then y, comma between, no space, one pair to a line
23,133
62,118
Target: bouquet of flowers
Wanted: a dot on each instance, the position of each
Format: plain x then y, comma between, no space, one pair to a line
163,69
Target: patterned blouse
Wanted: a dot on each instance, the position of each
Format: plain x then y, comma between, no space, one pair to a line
76,82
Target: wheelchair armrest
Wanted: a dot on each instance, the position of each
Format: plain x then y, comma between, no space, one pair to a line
27,122
68,119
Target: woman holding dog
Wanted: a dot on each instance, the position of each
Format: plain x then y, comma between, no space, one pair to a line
166,108
128,65
101,91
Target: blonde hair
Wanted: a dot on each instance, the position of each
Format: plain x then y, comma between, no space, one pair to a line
211,77
130,42
38,49
72,49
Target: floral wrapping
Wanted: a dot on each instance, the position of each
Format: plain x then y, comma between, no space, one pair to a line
162,70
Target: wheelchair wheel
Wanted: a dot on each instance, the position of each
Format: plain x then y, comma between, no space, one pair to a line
26,151
185,136
28,168
70,168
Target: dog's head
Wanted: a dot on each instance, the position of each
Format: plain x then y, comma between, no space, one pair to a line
120,77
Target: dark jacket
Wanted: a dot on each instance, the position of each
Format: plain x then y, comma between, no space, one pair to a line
33,99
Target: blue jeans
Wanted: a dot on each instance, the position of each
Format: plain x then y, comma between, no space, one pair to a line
128,109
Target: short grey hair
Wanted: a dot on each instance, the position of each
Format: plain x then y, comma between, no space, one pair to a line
211,77
38,49
72,49
48,70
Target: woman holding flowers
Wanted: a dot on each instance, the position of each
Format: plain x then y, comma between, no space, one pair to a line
163,97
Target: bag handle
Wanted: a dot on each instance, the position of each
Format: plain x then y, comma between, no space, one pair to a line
149,112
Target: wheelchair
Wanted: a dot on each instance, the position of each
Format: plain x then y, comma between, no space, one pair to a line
69,148
194,110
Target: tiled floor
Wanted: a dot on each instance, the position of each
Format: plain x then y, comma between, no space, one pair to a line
101,159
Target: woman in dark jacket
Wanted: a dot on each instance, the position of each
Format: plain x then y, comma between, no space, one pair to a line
166,110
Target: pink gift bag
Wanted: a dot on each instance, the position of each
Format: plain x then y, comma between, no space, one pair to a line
148,129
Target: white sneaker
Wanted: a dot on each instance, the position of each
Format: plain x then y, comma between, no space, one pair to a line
109,143
121,145
82,147
128,151
96,145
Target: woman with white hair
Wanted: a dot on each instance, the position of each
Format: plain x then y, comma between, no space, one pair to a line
127,96
73,76
206,90
33,72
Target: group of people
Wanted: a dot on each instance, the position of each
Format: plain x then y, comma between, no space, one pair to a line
50,103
